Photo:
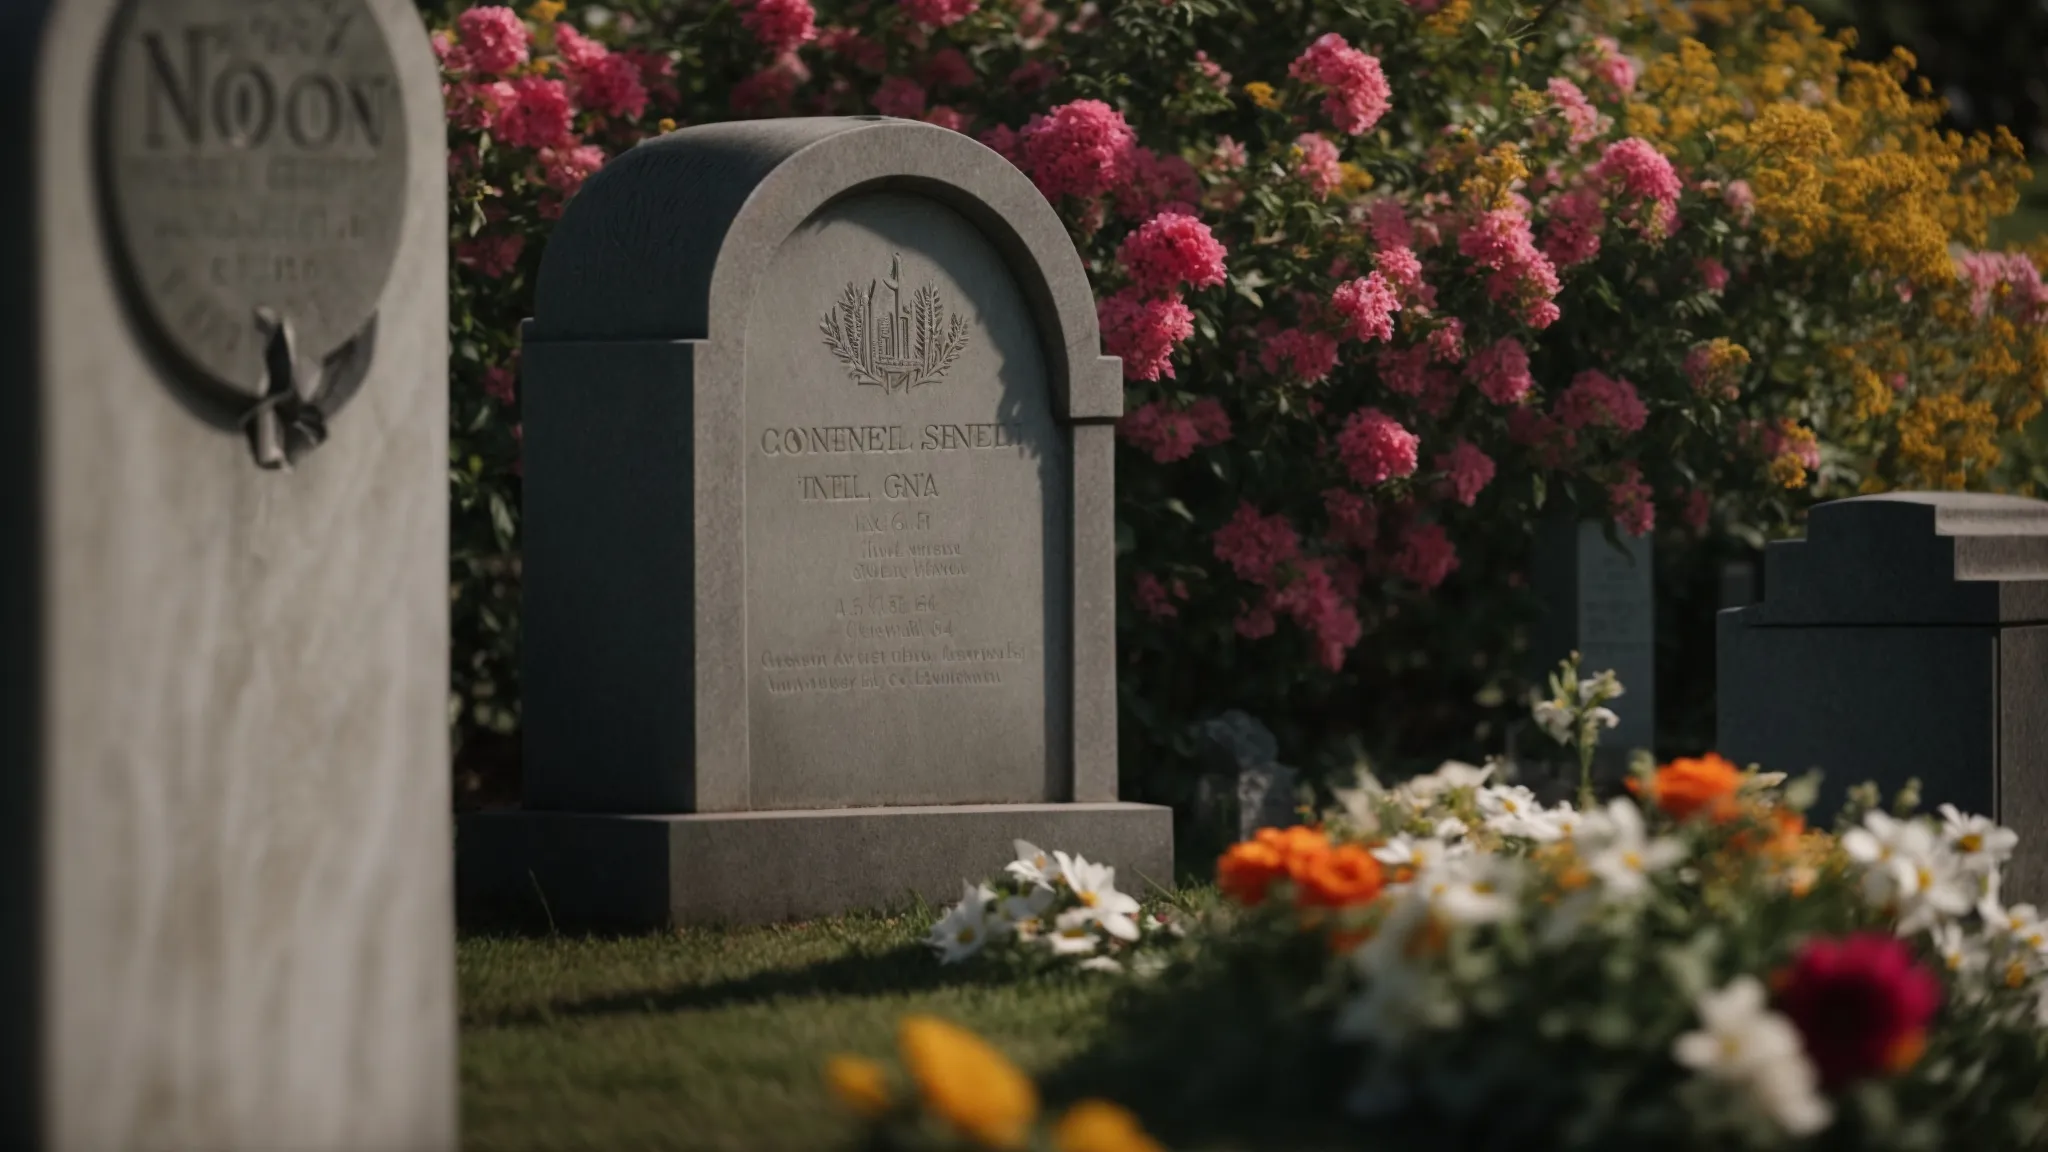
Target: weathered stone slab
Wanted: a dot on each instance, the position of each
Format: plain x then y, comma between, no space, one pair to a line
1599,598
583,871
1904,638
818,501
226,914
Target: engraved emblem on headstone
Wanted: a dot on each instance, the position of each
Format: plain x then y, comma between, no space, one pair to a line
891,343
252,172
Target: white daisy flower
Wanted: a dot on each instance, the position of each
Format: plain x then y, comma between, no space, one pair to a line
1627,855
1515,811
966,926
1741,1042
1555,719
1026,914
1909,871
1094,885
1977,841
1033,865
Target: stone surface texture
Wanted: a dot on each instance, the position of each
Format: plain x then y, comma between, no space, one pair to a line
1902,639
1599,601
819,502
585,871
239,690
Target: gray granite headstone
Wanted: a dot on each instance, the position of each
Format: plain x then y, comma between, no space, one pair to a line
1598,601
225,907
819,551
1906,636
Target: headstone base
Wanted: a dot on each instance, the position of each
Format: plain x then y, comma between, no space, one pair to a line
574,871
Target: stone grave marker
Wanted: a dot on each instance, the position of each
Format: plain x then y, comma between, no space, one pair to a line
226,906
1598,597
1906,636
819,561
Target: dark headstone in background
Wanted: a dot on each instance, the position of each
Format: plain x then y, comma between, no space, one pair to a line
1905,637
1598,597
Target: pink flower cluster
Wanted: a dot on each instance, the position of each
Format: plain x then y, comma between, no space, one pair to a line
1319,601
1572,235
1156,599
1144,330
1467,471
1427,556
1987,272
535,115
1316,593
1501,371
1368,304
900,96
1081,149
1301,353
1597,400
1158,184
1375,448
1500,240
1612,68
565,169
1403,269
1255,545
491,254
780,26
939,13
1318,164
1630,500
1168,434
1581,119
1641,172
605,82
1172,249
1358,92
1354,521
490,39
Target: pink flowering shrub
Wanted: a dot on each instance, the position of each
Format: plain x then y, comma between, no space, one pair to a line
1388,282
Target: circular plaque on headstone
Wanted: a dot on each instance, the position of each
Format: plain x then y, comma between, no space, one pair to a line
252,168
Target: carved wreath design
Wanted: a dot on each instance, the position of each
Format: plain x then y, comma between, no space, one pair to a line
901,346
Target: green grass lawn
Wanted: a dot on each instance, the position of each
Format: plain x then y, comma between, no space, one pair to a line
706,1039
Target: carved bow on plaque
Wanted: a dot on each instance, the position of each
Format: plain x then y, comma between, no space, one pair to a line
900,347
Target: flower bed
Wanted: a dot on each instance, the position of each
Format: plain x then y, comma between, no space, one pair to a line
1687,966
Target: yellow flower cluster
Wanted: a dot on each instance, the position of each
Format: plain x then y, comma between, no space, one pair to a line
1849,169
1945,440
968,1086
1448,20
1497,171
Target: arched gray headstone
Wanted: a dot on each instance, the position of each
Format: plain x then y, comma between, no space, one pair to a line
225,908
819,553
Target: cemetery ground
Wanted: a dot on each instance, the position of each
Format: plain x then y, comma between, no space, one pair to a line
714,1039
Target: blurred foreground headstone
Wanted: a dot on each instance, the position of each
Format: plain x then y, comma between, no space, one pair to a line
225,892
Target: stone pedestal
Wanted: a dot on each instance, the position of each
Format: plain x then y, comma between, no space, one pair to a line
1906,636
819,561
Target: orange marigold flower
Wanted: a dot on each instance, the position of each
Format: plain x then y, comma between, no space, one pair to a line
1248,869
1686,787
1341,877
